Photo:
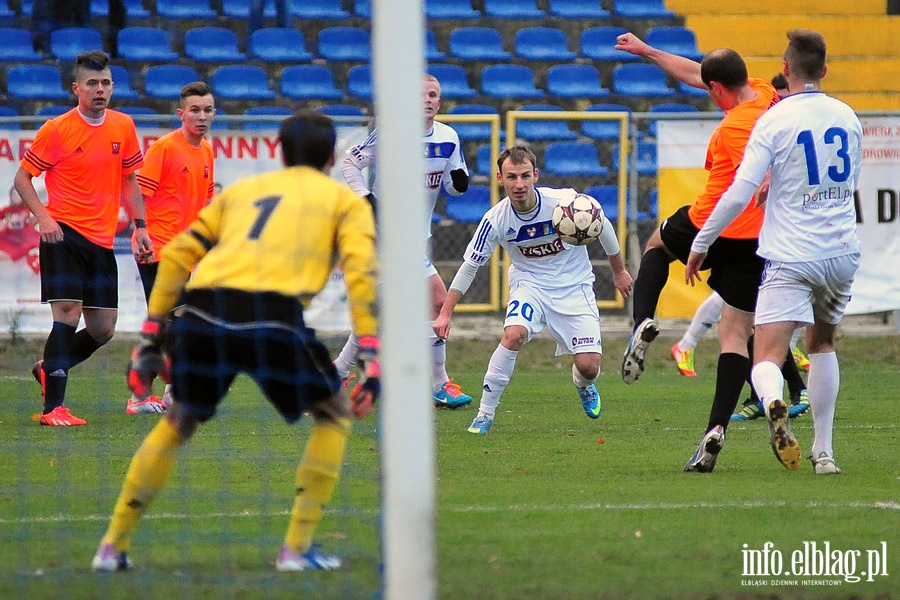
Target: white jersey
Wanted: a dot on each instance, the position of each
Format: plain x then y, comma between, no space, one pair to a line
537,254
442,155
812,146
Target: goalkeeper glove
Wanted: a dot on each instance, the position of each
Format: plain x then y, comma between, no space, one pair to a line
147,359
368,390
460,180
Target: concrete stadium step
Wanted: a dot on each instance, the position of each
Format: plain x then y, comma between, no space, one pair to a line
777,7
859,75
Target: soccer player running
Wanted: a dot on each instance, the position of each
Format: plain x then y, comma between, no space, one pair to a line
260,251
735,267
550,284
89,155
176,182
445,167
811,146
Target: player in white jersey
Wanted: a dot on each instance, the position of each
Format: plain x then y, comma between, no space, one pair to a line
550,284
445,168
811,145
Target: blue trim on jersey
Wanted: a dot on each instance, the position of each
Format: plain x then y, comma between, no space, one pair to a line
536,209
534,231
369,140
439,149
481,235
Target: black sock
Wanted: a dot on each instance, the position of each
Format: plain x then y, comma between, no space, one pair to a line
83,345
792,377
731,374
651,279
753,397
57,356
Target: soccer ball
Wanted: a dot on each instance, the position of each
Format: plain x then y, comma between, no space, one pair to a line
578,220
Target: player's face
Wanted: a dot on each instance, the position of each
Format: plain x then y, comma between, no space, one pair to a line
432,100
93,90
518,183
197,115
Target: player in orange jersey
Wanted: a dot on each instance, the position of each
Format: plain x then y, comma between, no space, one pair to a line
736,269
176,181
89,156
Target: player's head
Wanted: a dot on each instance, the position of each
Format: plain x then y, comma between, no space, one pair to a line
307,139
724,73
779,82
196,109
431,91
93,83
804,58
517,173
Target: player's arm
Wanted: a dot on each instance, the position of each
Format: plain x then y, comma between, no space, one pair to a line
358,158
609,241
48,227
681,68
456,174
141,245
357,259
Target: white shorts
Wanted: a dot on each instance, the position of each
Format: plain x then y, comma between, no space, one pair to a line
570,314
806,291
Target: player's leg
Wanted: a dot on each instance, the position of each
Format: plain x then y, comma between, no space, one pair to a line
499,371
707,314
445,392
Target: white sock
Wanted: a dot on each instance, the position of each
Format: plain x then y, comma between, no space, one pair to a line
824,381
795,338
346,360
768,382
500,369
438,360
708,313
580,380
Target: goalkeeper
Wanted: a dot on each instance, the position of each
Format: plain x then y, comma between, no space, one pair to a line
259,252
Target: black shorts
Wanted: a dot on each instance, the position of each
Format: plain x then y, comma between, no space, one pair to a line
225,332
80,270
735,268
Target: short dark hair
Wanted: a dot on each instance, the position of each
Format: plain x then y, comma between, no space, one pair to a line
92,60
196,88
724,66
517,155
779,82
307,139
805,53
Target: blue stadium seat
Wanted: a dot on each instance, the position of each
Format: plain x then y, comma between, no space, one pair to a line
5,11
307,82
69,42
573,159
122,89
653,205
477,43
543,43
469,207
641,80
344,44
454,81
218,125
8,111
35,82
483,164
608,197
336,111
165,81
145,44
359,82
641,9
54,110
603,130
674,40
578,9
513,9
540,130
363,8
240,9
141,111
432,52
575,81
450,9
212,44
134,9
668,107
473,132
17,46
277,112
185,9
691,91
241,82
646,158
509,81
599,43
278,44
319,9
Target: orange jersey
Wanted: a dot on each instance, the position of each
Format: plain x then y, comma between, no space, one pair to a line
176,181
84,166
724,155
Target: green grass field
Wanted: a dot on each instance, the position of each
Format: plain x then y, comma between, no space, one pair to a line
549,505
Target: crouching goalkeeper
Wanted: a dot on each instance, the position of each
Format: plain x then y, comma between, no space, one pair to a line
259,253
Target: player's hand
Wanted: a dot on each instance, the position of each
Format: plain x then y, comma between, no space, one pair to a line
50,230
632,44
147,359
367,391
441,326
460,180
692,267
623,282
762,194
141,246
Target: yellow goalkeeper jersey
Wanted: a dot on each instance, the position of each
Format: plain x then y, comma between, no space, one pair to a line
278,232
